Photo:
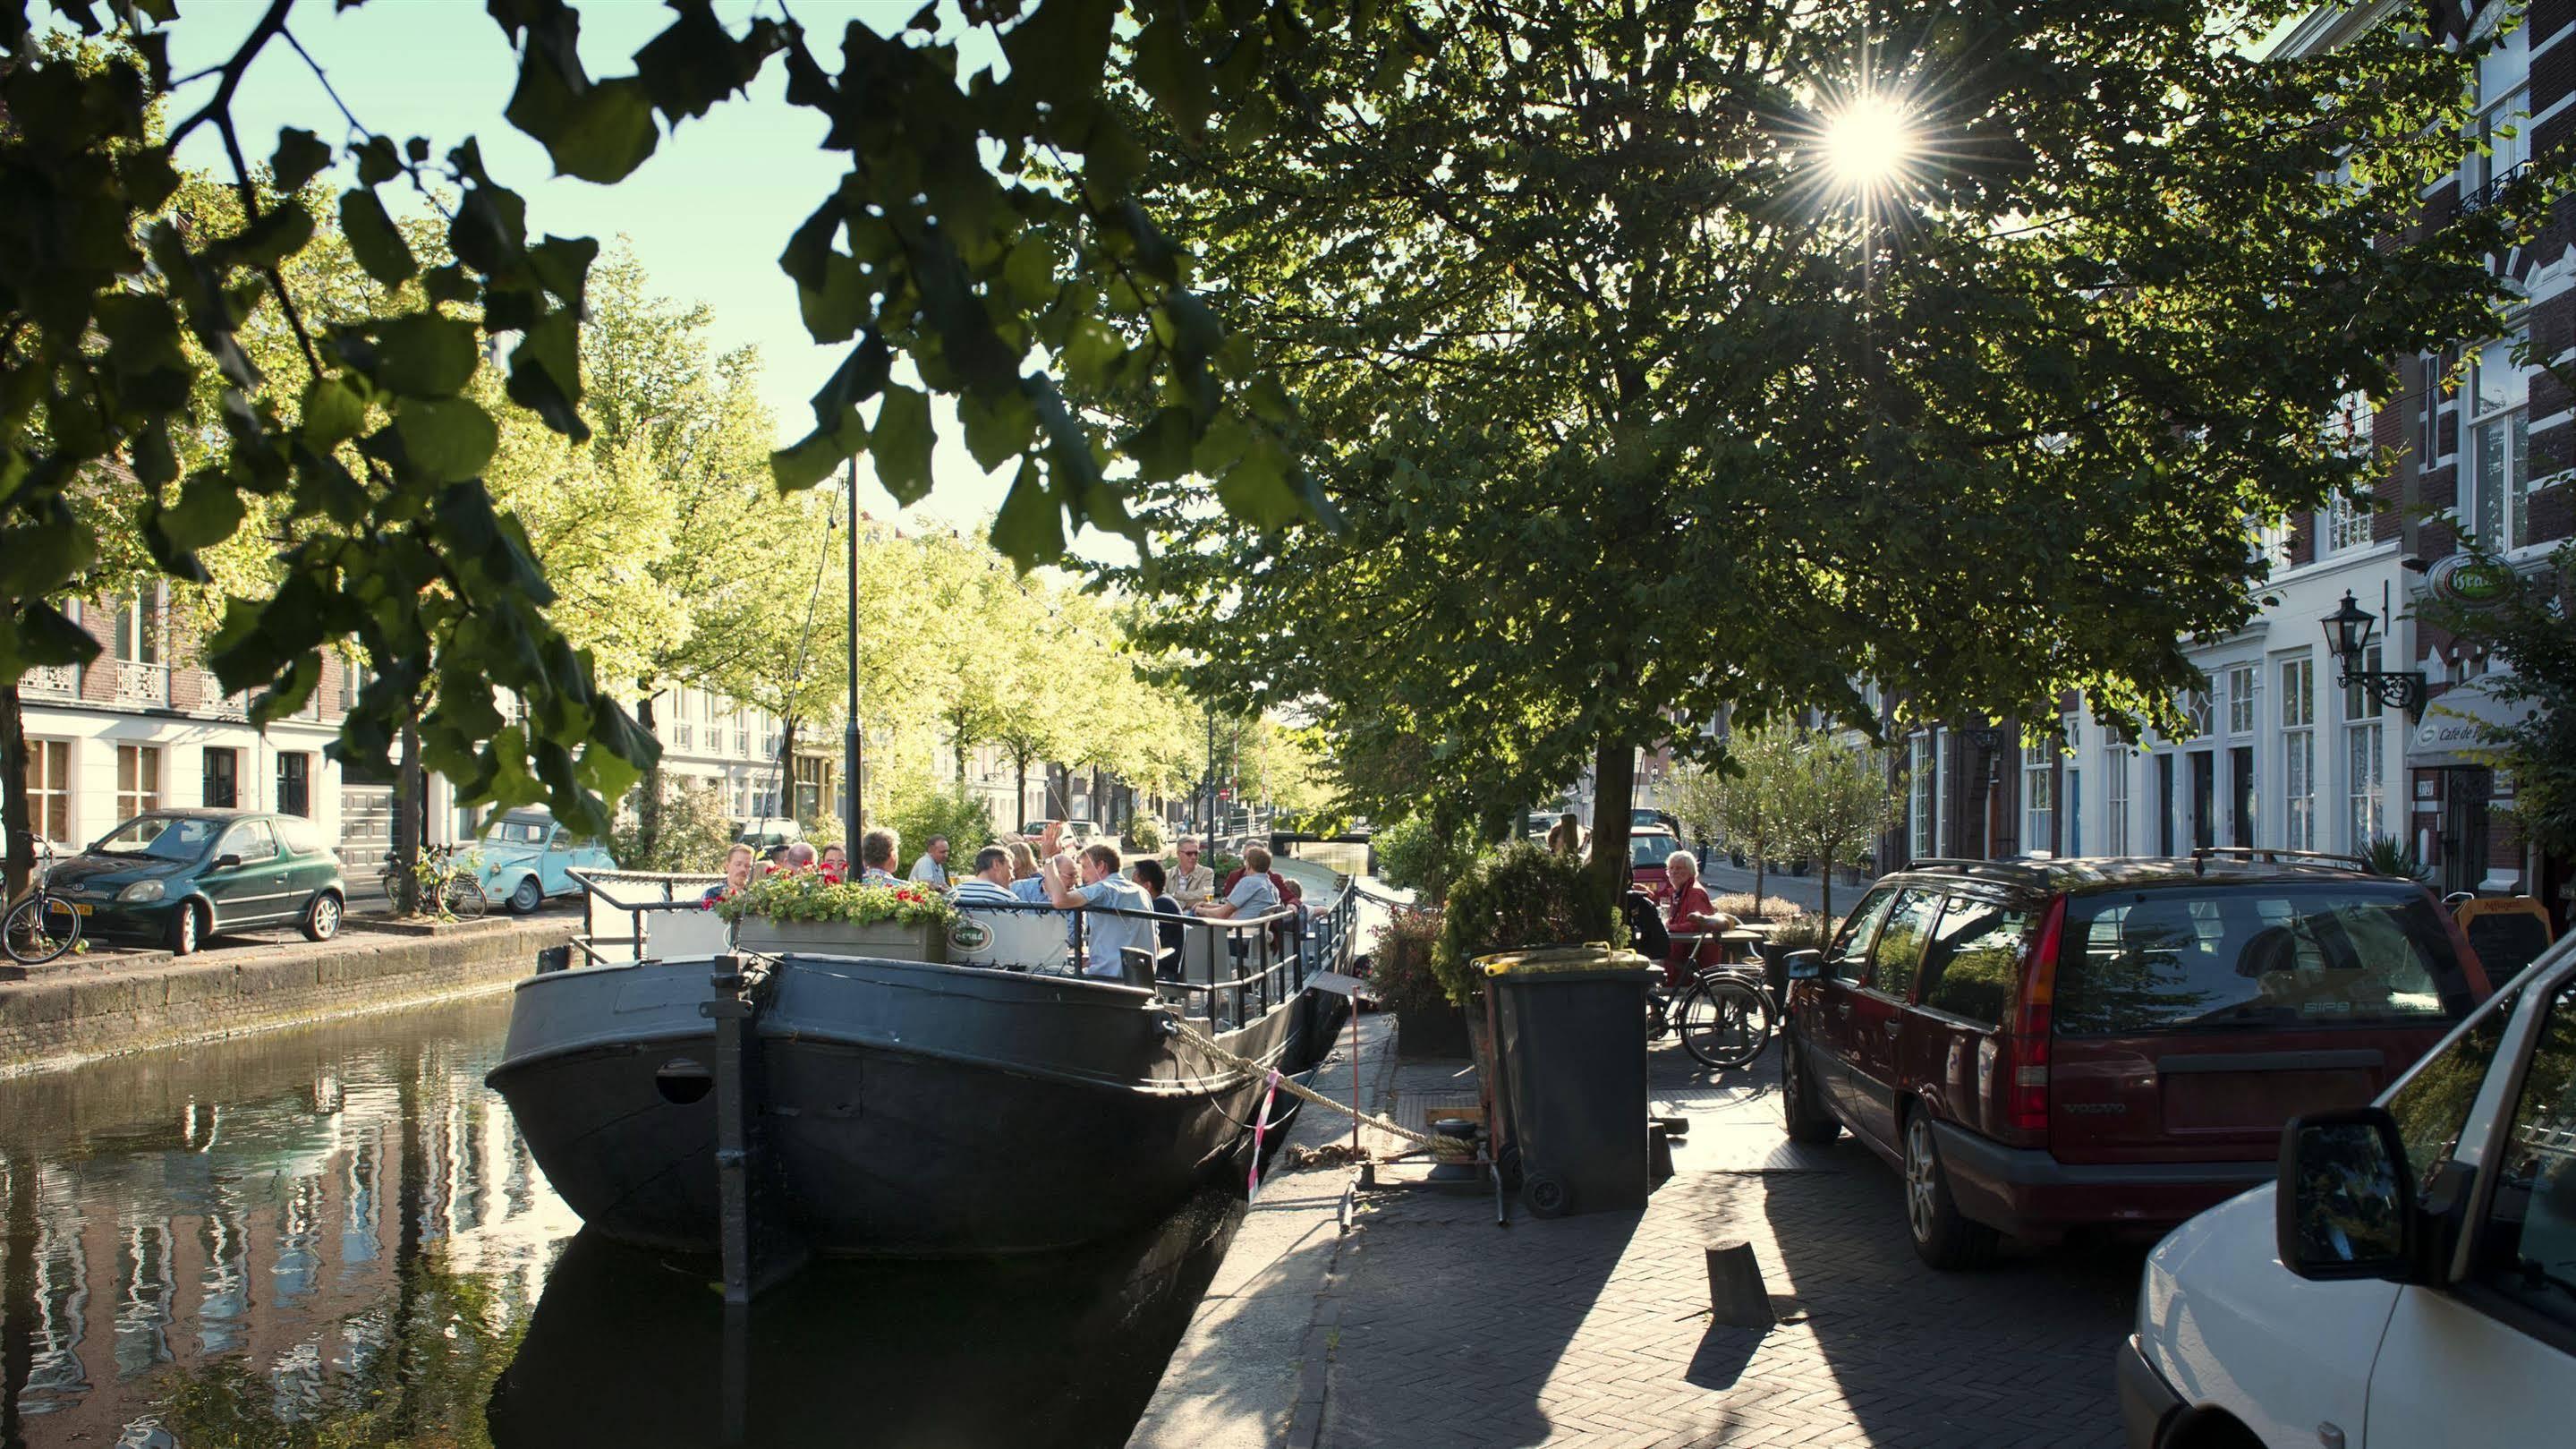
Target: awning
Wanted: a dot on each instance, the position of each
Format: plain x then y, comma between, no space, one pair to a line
2457,727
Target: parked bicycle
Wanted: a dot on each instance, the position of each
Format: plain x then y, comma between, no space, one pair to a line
1722,1014
42,925
448,883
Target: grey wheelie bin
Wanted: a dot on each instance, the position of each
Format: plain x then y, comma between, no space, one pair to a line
1570,1045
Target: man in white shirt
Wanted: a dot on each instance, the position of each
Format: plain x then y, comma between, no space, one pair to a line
1102,885
1192,883
990,885
1253,895
932,868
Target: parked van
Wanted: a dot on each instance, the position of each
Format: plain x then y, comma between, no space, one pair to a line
2041,1045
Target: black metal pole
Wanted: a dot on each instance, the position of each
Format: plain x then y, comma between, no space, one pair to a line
853,756
1210,842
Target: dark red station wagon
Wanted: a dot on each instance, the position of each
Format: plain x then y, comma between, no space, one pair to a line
2040,1045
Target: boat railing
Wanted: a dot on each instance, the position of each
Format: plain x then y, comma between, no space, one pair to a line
1227,969
635,895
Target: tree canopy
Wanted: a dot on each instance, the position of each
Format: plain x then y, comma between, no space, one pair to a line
1639,408
986,236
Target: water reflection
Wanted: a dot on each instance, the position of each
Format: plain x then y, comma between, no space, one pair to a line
334,1237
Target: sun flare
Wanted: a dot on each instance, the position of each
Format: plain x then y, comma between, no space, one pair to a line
1868,141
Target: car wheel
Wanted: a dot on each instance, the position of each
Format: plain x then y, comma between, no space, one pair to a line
322,917
527,897
1942,1237
1803,1114
185,929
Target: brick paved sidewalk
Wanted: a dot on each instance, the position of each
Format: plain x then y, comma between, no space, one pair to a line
1441,1329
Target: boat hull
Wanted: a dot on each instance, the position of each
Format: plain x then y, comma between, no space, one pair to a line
902,1108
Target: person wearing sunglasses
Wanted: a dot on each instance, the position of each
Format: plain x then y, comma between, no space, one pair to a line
1192,882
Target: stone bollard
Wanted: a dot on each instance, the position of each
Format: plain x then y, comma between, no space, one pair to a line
1736,1296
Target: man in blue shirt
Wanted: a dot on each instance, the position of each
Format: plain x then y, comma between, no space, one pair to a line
1108,935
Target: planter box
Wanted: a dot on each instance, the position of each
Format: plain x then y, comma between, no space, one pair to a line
882,939
1437,1034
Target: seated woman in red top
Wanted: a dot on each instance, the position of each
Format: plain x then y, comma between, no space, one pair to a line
1688,910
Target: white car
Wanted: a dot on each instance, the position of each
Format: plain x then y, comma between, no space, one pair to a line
2409,1281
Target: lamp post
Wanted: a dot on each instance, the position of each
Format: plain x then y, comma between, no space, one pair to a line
2348,634
853,750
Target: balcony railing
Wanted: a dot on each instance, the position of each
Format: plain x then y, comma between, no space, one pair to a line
2478,198
142,683
232,706
52,681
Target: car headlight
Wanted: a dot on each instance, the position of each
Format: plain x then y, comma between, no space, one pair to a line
142,890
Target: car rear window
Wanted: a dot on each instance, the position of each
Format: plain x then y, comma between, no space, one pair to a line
1651,849
2266,954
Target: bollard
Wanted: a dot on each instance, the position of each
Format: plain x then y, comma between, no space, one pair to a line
1736,1297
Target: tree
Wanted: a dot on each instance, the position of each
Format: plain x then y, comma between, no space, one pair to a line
990,220
1747,796
1637,410
1834,800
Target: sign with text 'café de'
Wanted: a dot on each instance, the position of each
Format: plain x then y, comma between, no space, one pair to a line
2459,727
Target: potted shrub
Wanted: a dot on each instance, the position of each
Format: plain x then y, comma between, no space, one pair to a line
806,913
1516,897
1428,1025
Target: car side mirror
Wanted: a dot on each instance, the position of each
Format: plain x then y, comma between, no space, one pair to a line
1805,965
2341,1207
226,862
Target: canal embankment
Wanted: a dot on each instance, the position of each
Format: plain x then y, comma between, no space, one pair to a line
64,1015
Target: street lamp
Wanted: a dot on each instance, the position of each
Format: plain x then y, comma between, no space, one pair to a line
2348,631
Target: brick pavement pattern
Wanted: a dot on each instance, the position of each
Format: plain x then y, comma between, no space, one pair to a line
1439,1329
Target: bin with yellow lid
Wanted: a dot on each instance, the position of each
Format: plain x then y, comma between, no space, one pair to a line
1570,1045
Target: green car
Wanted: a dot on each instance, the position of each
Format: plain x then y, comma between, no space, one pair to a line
176,877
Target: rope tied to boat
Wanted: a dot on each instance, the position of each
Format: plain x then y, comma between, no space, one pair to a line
1440,1146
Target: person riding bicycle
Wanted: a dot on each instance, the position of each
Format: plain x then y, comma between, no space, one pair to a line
1688,910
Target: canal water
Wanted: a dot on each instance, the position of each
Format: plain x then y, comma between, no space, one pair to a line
334,1237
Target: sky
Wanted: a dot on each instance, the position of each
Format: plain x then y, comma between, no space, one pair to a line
707,215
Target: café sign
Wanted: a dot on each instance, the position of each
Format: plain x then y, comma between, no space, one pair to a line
2460,727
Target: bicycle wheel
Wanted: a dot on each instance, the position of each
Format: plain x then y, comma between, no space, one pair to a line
38,929
465,898
1723,1023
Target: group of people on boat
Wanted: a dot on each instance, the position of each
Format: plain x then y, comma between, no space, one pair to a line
1047,870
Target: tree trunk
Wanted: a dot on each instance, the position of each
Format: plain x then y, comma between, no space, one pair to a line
1435,879
16,829
648,798
785,805
1020,799
1759,857
410,792
1825,900
1614,779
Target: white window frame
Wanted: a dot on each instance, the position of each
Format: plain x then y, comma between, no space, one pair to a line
50,791
141,623
2365,759
2497,509
1923,795
2198,712
2298,752
138,780
2038,799
2344,524
2115,799
2243,680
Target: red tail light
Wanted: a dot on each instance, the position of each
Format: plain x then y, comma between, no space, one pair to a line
2026,1058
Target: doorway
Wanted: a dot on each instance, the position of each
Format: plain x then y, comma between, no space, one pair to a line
2240,796
2463,840
2204,799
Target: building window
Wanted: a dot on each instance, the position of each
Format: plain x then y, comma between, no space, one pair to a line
2298,754
1923,795
2038,800
220,784
138,629
2115,800
294,784
138,780
2071,831
2195,712
2500,445
2499,135
49,789
2363,767
2240,700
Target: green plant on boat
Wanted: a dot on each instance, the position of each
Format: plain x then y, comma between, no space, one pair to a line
808,896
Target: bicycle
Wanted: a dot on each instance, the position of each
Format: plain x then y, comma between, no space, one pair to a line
451,886
42,925
1722,1014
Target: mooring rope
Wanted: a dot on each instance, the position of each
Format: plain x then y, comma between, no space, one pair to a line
1452,1146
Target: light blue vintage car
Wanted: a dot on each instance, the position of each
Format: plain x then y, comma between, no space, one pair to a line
528,856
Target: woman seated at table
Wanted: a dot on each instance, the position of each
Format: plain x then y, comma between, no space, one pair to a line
1690,915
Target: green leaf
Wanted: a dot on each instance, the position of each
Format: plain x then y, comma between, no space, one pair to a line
377,163
998,429
208,510
598,133
1256,488
1030,525
277,235
695,62
1172,73
448,438
333,413
373,238
901,442
1162,447
834,310
300,154
808,462
545,374
1030,269
422,354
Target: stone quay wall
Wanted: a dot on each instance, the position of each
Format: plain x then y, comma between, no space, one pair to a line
59,1017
